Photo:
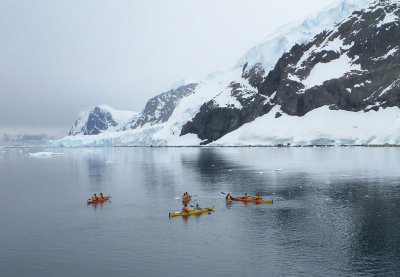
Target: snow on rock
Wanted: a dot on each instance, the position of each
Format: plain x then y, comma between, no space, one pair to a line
322,72
389,18
321,126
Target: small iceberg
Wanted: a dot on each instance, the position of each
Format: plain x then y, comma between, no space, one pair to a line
44,154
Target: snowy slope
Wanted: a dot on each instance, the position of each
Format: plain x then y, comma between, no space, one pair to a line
321,126
268,52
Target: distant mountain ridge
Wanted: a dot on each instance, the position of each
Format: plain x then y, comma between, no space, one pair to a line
98,119
342,63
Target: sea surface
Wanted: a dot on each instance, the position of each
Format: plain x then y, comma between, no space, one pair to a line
336,212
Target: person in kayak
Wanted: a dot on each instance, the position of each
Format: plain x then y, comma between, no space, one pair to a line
101,197
245,196
185,209
228,197
185,197
257,197
94,197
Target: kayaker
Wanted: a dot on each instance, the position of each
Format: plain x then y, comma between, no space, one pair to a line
228,197
185,209
257,197
245,196
94,197
101,197
185,197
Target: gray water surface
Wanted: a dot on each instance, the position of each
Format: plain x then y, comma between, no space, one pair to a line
336,212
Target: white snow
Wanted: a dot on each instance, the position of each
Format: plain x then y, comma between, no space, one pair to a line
319,127
391,52
44,154
388,88
322,72
389,18
272,49
225,99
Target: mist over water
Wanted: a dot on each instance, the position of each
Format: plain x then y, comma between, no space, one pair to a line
335,212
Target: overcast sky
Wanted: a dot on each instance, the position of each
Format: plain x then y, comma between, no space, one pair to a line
59,57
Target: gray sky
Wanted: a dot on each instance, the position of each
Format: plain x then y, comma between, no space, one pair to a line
59,57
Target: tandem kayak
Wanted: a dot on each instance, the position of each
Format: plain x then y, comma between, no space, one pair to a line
262,201
193,212
91,201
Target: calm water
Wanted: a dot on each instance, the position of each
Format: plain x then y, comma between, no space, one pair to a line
336,212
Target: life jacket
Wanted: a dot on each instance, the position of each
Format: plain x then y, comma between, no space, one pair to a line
185,210
186,197
94,198
228,198
245,197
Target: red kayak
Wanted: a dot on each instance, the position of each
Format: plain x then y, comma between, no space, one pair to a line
247,200
91,201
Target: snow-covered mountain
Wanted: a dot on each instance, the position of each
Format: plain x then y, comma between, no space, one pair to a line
159,108
98,119
333,79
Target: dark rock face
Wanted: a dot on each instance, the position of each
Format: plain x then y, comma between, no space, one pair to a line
98,121
368,43
159,109
213,121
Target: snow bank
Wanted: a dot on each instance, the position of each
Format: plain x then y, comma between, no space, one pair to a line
156,135
319,127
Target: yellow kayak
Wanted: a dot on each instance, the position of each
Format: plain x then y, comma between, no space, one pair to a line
193,212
